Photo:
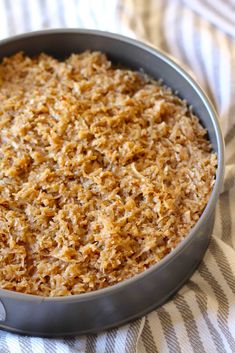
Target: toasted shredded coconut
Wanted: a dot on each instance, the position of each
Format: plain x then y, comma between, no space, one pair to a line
103,171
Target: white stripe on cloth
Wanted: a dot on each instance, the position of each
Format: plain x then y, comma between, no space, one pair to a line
201,316
5,30
163,331
70,14
218,12
232,205
120,343
13,343
35,21
37,345
187,33
51,9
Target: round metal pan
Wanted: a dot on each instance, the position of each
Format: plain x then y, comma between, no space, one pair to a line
115,305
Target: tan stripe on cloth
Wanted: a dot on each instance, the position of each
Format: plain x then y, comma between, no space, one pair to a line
201,299
148,339
190,324
169,331
110,341
223,304
91,344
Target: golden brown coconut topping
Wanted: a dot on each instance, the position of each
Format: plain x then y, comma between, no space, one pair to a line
103,171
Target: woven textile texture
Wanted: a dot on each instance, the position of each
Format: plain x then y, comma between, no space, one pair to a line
200,34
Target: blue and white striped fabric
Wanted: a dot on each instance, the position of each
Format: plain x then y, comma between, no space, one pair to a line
200,34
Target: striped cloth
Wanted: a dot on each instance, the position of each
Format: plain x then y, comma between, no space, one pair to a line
200,34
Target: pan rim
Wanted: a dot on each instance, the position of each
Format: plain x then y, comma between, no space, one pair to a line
214,194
